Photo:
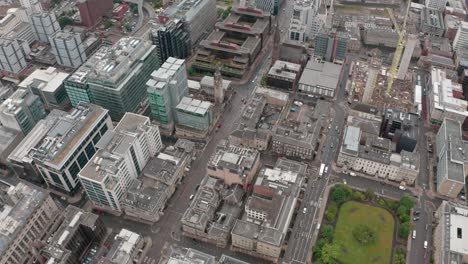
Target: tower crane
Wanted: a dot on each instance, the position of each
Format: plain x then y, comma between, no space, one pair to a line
400,46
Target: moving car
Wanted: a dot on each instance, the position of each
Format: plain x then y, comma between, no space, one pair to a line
425,244
304,210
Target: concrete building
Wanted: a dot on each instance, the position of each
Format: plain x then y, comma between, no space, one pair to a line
213,212
48,85
373,155
283,75
450,150
9,139
12,56
461,38
307,20
234,164
26,213
92,11
401,128
172,40
21,111
31,5
269,210
179,255
320,78
14,17
45,25
166,88
380,36
451,26
407,55
199,17
236,42
68,49
194,118
125,249
121,156
450,240
114,77
331,46
432,22
442,102
207,87
436,4
71,235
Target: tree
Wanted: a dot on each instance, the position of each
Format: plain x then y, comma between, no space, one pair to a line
401,210
405,218
157,4
364,234
134,8
320,243
327,232
226,12
331,212
407,201
108,24
369,194
404,230
399,258
330,252
65,21
128,28
359,196
338,195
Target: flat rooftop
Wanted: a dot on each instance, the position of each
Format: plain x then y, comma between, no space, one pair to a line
48,80
195,106
322,74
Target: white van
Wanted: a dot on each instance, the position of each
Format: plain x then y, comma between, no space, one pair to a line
414,234
425,244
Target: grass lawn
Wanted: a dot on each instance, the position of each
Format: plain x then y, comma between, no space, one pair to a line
352,214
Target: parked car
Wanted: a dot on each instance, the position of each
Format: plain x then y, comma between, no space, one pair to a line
425,244
414,234
191,196
304,210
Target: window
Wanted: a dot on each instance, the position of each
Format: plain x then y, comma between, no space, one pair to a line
459,233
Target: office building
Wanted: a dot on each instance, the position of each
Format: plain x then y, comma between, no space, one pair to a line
114,77
45,25
401,128
12,56
451,26
166,88
452,160
380,36
461,38
92,11
179,255
432,22
270,6
31,5
442,101
331,46
320,78
13,17
122,155
172,40
9,139
68,49
71,236
375,156
21,111
436,4
26,212
126,248
199,17
269,210
450,240
48,85
194,117
283,75
308,19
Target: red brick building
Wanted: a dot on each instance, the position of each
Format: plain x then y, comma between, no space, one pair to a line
91,11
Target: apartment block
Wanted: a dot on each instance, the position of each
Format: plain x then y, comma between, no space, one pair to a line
25,213
45,25
452,160
68,49
12,57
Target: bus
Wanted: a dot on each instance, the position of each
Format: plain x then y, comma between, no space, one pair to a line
322,168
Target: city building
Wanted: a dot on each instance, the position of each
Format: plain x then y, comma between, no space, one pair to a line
31,5
21,111
234,164
331,46
121,156
450,240
407,55
269,210
461,38
270,6
166,88
307,20
114,77
26,212
401,128
172,40
180,255
199,17
92,11
236,42
147,196
48,85
283,75
13,17
380,36
12,56
432,22
442,101
451,26
320,78
126,248
68,49
194,118
451,158
436,4
375,156
61,145
45,25
71,235
213,212
207,87
9,139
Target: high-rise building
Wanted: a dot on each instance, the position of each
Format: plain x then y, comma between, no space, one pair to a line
12,57
114,77
436,4
122,155
451,152
407,54
21,111
171,40
45,25
331,46
26,212
31,5
91,11
271,6
461,38
68,49
166,88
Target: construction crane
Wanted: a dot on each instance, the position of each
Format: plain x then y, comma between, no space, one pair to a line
400,46
121,15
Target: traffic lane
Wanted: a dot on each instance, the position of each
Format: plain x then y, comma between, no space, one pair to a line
377,186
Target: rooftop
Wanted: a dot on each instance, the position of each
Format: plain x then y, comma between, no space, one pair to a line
48,80
21,97
454,152
165,73
124,246
454,224
442,93
181,255
233,158
285,69
196,106
322,74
